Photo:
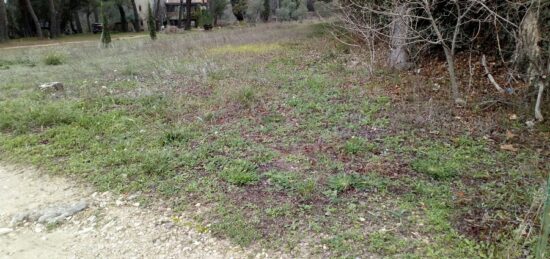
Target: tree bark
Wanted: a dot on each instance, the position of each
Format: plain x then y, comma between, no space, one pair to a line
54,26
188,21
123,21
34,19
137,25
3,22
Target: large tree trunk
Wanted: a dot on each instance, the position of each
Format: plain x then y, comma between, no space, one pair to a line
137,26
54,26
399,56
188,21
34,18
123,21
3,22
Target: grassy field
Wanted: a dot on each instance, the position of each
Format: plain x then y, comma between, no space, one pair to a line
275,136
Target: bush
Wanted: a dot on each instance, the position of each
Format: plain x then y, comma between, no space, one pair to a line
292,10
53,59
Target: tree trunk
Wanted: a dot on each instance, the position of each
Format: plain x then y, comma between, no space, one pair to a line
188,21
180,17
3,22
54,27
88,23
76,18
157,14
123,21
531,59
137,25
399,56
452,74
34,18
96,15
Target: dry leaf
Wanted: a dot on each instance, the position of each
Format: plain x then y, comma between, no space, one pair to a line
513,117
510,135
508,147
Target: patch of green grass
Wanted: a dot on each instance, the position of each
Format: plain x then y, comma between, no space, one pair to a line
240,172
387,243
341,182
234,225
23,116
357,145
444,161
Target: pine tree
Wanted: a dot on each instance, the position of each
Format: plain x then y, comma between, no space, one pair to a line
105,34
151,23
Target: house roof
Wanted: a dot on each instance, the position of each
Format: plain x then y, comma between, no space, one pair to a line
172,2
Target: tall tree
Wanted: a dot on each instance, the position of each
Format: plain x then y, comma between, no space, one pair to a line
151,23
37,26
188,21
217,7
3,22
54,26
123,20
180,16
137,26
266,11
239,9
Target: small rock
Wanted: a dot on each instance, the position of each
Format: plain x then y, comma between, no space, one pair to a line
4,231
55,86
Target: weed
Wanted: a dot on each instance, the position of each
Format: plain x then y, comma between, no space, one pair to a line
356,145
53,59
240,172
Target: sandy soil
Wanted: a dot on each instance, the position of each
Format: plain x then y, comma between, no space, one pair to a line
111,226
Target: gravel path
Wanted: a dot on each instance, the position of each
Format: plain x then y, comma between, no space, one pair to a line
47,217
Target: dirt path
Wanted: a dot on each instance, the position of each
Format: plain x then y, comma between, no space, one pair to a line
109,227
68,42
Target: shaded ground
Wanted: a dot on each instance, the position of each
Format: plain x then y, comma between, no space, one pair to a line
277,136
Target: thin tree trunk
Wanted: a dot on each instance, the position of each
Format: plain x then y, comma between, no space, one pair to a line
180,17
34,19
137,26
54,26
3,22
188,22
123,20
452,74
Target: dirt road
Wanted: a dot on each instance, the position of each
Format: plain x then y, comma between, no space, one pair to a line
104,226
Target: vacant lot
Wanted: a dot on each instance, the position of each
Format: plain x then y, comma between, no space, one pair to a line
276,136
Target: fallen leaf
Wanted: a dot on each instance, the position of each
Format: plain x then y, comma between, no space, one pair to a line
508,147
513,117
510,135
